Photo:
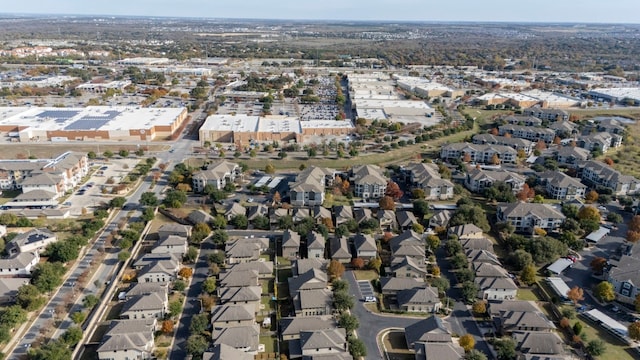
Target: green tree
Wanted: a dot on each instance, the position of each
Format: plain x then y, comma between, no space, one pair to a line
209,285
595,347
123,153
108,154
420,209
342,301
261,222
196,345
91,155
357,349
175,308
219,222
528,274
340,285
199,324
179,285
200,232
149,198
474,354
269,168
470,214
78,317
117,202
505,348
604,291
53,350
175,198
240,221
500,191
469,292
348,322
90,301
47,276
29,297
72,336
441,283
433,242
191,255
62,251
13,315
217,258
124,255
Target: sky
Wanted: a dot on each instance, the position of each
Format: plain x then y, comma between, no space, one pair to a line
582,11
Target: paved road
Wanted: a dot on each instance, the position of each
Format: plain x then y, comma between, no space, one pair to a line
371,324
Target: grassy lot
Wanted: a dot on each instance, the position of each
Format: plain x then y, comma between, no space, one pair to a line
8,195
527,294
283,262
331,200
396,346
633,113
269,343
626,158
485,116
365,275
158,221
615,350
46,151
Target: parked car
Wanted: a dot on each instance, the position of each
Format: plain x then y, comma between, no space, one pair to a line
370,299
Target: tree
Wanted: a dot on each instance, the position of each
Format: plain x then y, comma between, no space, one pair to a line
209,285
357,348
335,269
108,154
47,276
78,317
12,316
342,301
175,308
634,330
475,355
62,251
470,214
575,294
124,255
393,190
199,233
123,153
191,255
269,168
357,263
29,297
500,191
441,283
261,222
495,159
604,291
148,199
90,301
72,336
505,348
219,222
117,202
614,218
179,285
240,221
340,285
196,345
564,323
479,307
469,292
91,155
526,193
467,342
420,209
595,347
435,270
591,196
598,264
185,272
417,227
348,322
175,198
199,323
540,145
52,350
589,213
528,274
433,242
167,326
220,237
633,233
375,264
387,203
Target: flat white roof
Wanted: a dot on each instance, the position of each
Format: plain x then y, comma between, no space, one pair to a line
620,93
559,286
88,119
279,124
598,234
381,104
274,123
560,265
325,124
238,122
608,321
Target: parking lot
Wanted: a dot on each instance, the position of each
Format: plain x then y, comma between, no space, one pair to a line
365,288
92,195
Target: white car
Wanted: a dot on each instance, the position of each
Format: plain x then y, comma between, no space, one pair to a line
370,299
250,200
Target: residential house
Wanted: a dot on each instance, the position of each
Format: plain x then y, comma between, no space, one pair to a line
624,275
9,289
128,339
218,174
571,155
599,141
71,166
406,220
466,231
226,352
320,214
223,316
315,245
233,210
247,296
477,180
387,220
243,338
19,264
362,214
150,258
539,345
596,173
148,288
366,247
523,120
300,214
528,132
482,256
290,244
276,214
239,278
546,114
301,266
427,177
496,288
477,244
240,251
431,330
264,268
487,269
329,342
408,244
424,300
314,302
149,306
290,327
171,244
369,182
200,217
408,267
259,210
314,279
438,351
159,271
511,321
392,285
560,186
525,217
44,181
342,214
30,241
340,250
174,229
564,129
309,187
440,219
517,144
481,154
611,126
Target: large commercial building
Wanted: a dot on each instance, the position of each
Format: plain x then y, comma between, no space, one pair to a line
90,123
246,128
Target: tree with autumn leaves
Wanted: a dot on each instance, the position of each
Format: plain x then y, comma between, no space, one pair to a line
575,294
393,190
526,193
633,232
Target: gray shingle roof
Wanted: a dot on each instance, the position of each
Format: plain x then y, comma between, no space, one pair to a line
394,284
420,296
323,339
223,313
226,352
365,242
238,337
431,329
290,239
152,301
293,325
